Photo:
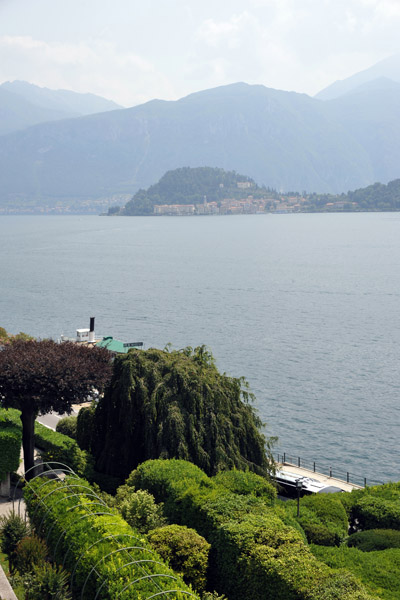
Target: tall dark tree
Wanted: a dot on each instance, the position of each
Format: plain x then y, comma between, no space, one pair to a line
176,405
38,377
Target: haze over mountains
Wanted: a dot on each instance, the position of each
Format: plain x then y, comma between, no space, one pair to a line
284,140
23,104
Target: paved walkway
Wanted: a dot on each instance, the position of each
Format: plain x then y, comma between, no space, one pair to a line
6,591
6,507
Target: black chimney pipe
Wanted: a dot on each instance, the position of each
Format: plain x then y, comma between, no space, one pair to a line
91,323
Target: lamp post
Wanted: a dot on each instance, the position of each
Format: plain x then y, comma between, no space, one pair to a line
299,487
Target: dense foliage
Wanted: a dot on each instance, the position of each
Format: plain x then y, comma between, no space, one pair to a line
10,442
253,553
376,197
374,507
58,447
42,376
67,426
13,528
378,571
100,550
190,186
375,539
247,482
176,404
322,518
185,551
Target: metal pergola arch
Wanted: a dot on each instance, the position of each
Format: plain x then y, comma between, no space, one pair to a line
88,491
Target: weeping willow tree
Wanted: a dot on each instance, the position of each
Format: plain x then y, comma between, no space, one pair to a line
163,404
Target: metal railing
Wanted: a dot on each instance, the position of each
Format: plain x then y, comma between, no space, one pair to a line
324,468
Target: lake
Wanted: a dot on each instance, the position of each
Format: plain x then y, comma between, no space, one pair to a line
305,306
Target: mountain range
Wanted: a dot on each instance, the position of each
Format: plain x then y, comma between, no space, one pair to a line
347,137
23,104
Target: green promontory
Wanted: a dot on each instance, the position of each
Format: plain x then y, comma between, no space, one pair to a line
192,186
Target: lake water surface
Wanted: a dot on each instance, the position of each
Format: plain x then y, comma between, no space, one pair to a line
305,306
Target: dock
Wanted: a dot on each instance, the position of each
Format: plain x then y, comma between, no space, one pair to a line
322,478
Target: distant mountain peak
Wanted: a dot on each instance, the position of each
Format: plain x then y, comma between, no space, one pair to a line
72,103
388,68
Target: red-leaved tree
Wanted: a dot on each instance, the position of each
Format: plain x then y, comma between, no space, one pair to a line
38,377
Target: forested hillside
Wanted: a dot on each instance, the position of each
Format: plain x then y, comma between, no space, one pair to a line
192,186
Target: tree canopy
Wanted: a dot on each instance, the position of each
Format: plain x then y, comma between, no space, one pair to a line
38,377
176,404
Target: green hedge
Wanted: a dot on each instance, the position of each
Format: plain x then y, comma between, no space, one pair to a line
375,539
372,512
10,441
247,482
253,553
61,448
322,517
374,507
378,571
185,550
91,541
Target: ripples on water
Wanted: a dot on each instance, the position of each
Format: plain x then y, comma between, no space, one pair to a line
306,307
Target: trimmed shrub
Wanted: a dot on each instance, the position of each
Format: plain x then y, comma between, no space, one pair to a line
378,571
30,551
253,553
13,529
139,509
322,518
185,551
373,512
67,426
10,441
319,534
247,482
373,507
375,539
100,550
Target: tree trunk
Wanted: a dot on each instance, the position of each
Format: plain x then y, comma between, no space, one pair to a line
28,416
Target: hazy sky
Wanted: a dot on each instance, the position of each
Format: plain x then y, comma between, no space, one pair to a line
131,51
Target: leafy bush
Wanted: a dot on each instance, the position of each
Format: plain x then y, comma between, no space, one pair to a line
30,551
378,571
373,512
49,582
67,426
139,509
99,549
322,518
185,551
319,534
247,482
10,441
373,507
375,539
253,553
13,529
